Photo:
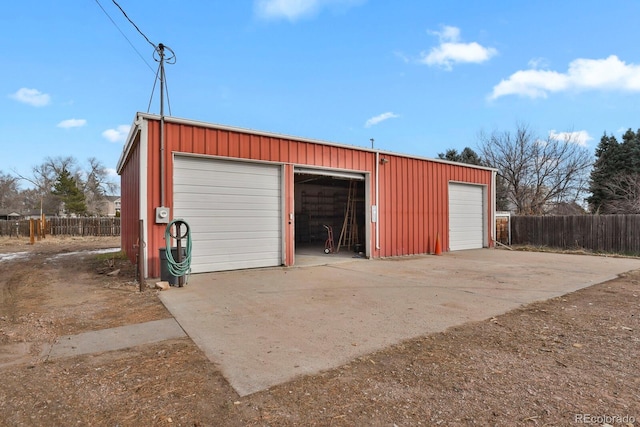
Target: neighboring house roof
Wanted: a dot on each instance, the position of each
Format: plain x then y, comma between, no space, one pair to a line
564,208
37,213
9,214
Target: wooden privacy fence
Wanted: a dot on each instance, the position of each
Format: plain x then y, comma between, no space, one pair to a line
64,227
600,233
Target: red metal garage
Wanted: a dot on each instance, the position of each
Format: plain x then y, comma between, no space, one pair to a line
253,197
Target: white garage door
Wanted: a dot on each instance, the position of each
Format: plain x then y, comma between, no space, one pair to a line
466,217
234,212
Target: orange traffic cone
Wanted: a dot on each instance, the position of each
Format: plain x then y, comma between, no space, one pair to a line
438,249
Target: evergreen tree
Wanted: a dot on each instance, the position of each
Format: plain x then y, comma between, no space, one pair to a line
617,164
470,157
66,189
631,151
467,155
607,153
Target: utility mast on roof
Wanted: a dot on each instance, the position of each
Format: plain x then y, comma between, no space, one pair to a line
161,58
171,59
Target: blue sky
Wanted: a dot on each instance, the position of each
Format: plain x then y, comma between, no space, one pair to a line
417,76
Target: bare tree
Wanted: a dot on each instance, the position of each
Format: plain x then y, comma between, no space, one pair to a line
32,200
43,179
538,172
93,181
9,192
96,186
45,174
623,191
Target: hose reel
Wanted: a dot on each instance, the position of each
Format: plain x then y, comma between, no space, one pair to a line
181,266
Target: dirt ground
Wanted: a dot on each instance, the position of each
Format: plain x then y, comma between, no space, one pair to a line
572,360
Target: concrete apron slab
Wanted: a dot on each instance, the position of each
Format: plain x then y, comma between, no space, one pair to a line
114,338
265,327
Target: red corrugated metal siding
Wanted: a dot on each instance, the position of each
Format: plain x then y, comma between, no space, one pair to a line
155,232
185,138
413,205
130,201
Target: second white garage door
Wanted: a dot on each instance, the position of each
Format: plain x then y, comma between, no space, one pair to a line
234,212
466,216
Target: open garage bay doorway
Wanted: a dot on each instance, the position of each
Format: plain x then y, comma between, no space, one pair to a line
329,205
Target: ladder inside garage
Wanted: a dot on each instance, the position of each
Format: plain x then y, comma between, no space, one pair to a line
349,233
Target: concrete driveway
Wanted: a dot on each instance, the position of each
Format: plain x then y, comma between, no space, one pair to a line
264,327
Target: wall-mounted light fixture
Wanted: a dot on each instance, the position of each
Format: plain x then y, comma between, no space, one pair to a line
384,161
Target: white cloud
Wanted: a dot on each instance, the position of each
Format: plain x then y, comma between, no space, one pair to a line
293,10
580,137
538,63
31,97
583,74
448,34
531,83
451,50
118,134
72,123
380,118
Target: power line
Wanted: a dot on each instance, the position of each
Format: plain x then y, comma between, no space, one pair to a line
125,36
159,50
134,24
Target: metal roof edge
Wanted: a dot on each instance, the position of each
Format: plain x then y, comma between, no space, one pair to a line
129,143
209,125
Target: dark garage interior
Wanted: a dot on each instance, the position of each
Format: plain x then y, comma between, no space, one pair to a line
331,201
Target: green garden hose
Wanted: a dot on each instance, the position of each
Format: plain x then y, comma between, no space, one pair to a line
183,267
